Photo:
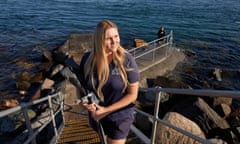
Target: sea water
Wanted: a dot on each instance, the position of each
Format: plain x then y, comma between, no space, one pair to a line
209,28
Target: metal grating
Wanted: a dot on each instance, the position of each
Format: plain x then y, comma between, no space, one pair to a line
78,132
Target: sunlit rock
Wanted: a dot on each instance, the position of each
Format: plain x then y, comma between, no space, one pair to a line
166,135
8,103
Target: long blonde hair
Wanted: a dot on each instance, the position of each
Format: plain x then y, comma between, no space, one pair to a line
98,61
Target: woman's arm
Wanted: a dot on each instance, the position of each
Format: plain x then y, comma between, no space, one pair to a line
130,97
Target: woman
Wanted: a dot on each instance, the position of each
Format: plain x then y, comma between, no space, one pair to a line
112,74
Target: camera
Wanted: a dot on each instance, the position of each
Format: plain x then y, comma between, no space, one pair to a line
89,98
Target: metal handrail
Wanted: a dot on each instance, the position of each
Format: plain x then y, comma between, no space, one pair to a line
192,92
32,133
152,46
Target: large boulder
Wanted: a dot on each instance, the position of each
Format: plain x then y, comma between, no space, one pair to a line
167,135
211,123
76,45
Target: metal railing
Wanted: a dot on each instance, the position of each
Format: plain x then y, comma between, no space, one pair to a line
152,53
153,46
33,132
159,91
55,106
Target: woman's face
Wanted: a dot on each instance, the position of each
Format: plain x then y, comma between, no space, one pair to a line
112,40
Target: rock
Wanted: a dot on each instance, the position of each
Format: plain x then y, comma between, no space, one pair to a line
140,42
217,141
168,83
235,112
45,66
25,79
47,84
24,76
46,54
59,57
8,103
217,73
25,64
56,69
37,77
202,114
211,114
75,46
223,110
24,85
222,100
166,135
149,97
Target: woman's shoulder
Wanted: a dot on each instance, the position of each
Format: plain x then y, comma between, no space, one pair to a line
129,58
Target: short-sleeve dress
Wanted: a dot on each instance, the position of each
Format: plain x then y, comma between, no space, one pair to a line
117,124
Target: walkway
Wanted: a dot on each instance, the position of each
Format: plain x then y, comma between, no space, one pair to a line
150,59
77,129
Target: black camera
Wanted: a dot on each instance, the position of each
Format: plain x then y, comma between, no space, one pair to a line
89,98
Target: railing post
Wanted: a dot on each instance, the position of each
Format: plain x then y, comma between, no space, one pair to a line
153,52
62,106
134,52
52,116
171,38
155,117
28,124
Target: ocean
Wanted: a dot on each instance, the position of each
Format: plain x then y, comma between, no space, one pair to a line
209,28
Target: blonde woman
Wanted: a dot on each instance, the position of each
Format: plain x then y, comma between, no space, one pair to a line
112,74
